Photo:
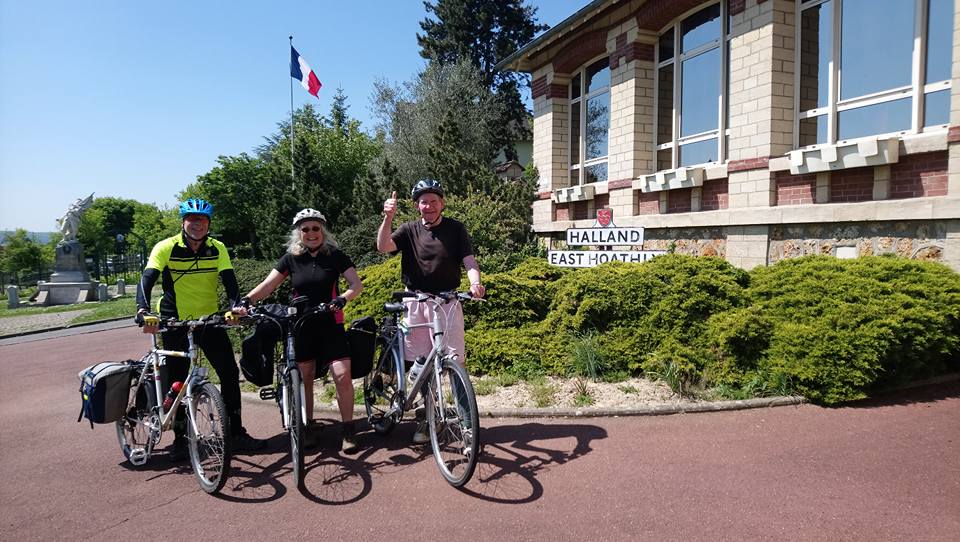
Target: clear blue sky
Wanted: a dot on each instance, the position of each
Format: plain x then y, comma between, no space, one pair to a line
136,99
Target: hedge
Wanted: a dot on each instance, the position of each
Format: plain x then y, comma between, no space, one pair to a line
832,330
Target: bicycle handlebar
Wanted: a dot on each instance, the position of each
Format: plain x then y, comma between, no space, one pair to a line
213,320
401,295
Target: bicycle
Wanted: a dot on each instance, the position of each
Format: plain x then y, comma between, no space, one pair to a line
287,378
448,396
208,432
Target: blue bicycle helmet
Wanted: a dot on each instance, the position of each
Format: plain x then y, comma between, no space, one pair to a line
196,206
426,186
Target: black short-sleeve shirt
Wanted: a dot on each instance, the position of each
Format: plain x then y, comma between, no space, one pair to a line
432,257
315,276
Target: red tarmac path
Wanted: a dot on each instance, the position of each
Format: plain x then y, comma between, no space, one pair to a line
888,469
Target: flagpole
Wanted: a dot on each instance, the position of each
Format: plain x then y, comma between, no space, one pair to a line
293,177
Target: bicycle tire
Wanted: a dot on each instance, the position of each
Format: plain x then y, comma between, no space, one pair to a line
381,391
293,402
135,428
210,452
454,423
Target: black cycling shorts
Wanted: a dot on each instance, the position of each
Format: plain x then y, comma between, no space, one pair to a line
323,341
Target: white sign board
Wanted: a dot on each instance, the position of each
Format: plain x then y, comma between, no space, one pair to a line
591,258
604,236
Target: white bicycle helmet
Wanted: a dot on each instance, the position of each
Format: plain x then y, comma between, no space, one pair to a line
308,214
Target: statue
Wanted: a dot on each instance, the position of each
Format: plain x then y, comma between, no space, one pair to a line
70,221
70,283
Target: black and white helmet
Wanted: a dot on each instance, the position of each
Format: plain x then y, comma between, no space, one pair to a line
426,186
308,214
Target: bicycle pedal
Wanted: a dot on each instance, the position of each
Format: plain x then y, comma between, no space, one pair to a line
268,394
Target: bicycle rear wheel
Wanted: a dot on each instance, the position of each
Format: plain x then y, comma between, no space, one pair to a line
381,392
209,442
135,428
293,401
454,423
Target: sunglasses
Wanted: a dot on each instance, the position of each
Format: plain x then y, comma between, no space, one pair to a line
308,229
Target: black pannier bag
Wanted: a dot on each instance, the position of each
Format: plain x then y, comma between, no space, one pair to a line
257,349
361,337
105,391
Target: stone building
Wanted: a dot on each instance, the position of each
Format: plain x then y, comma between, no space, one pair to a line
755,130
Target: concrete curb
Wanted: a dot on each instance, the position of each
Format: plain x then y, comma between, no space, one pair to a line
662,409
650,410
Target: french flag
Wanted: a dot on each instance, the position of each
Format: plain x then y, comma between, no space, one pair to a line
300,70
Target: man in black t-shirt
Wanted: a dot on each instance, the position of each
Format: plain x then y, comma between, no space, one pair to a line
432,250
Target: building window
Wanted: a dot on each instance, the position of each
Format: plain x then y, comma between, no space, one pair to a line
688,86
590,123
872,67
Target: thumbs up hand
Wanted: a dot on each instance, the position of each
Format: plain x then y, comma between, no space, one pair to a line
390,206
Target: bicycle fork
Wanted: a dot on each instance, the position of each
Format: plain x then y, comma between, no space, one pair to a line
288,387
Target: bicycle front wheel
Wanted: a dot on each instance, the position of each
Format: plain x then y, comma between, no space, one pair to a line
293,401
381,391
208,439
454,423
135,429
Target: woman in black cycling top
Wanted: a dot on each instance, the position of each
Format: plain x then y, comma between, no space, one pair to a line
315,264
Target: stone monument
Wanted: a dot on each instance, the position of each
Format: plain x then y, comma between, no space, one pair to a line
70,282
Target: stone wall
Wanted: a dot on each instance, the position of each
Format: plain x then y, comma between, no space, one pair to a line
920,240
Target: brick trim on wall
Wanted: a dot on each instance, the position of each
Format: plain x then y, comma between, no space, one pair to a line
655,15
851,185
619,183
540,88
630,51
795,189
749,164
736,7
575,53
714,195
919,175
544,195
953,134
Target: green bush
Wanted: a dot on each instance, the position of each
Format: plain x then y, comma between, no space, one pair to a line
837,330
250,273
533,311
379,282
511,301
495,350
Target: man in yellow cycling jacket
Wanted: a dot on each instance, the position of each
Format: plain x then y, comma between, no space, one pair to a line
189,265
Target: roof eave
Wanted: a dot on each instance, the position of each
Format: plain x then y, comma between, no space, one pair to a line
519,60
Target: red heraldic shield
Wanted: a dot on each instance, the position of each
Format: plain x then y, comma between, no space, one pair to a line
605,217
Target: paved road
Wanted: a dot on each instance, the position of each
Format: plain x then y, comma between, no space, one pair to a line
885,470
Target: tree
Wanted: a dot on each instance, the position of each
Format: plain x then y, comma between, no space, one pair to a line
484,33
23,253
255,197
236,188
410,116
108,217
339,119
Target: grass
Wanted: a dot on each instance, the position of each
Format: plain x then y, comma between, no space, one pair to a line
99,310
583,400
542,392
628,389
114,308
485,386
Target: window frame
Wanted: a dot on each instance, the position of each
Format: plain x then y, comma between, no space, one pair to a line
722,131
575,171
916,91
